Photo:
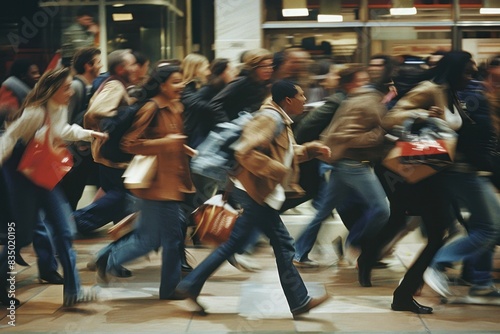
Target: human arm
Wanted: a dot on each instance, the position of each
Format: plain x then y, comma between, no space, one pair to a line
134,141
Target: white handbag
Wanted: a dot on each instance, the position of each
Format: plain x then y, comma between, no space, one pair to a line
140,172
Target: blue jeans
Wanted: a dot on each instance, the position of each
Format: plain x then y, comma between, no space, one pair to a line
42,244
113,206
268,220
478,196
27,201
160,224
349,180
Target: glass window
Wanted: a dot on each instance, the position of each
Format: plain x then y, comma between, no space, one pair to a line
414,41
337,44
470,11
349,11
426,10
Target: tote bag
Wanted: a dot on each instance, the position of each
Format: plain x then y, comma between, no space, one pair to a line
42,163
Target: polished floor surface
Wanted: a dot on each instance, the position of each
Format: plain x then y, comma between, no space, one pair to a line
243,302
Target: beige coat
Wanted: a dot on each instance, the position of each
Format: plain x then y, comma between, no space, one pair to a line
261,156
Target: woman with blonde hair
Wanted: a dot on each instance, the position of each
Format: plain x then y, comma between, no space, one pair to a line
43,110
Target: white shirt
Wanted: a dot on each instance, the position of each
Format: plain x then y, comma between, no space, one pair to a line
32,122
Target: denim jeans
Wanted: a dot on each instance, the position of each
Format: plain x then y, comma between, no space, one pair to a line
349,180
160,224
43,246
27,201
478,196
113,206
269,222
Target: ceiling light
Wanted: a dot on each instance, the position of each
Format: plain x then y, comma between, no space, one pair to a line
330,11
122,17
293,8
490,7
403,7
118,5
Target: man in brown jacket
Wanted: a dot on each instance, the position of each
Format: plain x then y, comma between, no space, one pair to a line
269,172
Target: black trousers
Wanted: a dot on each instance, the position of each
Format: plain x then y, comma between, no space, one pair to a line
427,199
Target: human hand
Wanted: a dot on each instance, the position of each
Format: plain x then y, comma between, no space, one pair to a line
100,135
436,111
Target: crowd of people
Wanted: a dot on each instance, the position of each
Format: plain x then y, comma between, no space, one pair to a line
331,154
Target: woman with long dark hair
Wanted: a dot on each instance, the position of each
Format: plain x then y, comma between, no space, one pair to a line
43,110
434,96
157,130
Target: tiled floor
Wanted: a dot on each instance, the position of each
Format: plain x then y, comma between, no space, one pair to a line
242,302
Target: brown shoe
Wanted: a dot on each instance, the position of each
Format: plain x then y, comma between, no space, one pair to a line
316,301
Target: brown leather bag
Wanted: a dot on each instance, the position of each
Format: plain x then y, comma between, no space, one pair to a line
214,220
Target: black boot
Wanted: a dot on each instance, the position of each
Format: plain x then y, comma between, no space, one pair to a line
5,300
364,270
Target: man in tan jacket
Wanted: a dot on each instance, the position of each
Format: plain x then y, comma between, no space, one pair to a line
269,170
111,95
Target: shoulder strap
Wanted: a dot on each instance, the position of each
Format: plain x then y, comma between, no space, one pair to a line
277,119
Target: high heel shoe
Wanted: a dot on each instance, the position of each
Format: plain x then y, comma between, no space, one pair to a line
364,272
410,305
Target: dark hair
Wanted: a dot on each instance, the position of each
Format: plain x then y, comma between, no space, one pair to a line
282,89
160,74
217,67
84,56
390,69
347,74
84,11
20,67
140,57
449,69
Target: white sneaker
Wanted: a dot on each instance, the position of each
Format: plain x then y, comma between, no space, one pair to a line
437,281
244,262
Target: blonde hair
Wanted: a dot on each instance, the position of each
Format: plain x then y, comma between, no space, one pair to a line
190,67
45,88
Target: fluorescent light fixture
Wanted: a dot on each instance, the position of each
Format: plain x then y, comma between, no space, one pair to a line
118,5
403,7
122,17
295,8
489,11
330,18
330,11
290,12
490,7
403,11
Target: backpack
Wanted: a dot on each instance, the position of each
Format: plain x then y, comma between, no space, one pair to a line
116,127
215,158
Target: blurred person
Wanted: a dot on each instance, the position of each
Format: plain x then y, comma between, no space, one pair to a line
355,136
295,66
269,166
82,33
44,109
115,204
476,150
23,76
323,80
157,130
434,96
87,65
247,92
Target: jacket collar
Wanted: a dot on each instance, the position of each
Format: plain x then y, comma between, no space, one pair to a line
270,104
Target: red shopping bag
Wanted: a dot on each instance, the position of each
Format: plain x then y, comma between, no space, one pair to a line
43,164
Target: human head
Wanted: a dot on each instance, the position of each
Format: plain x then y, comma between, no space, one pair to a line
324,74
26,71
353,77
47,86
288,96
161,75
142,66
84,17
381,68
122,63
87,60
222,71
195,67
455,68
296,63
258,63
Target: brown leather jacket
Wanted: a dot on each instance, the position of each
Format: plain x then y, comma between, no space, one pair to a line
147,136
261,155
